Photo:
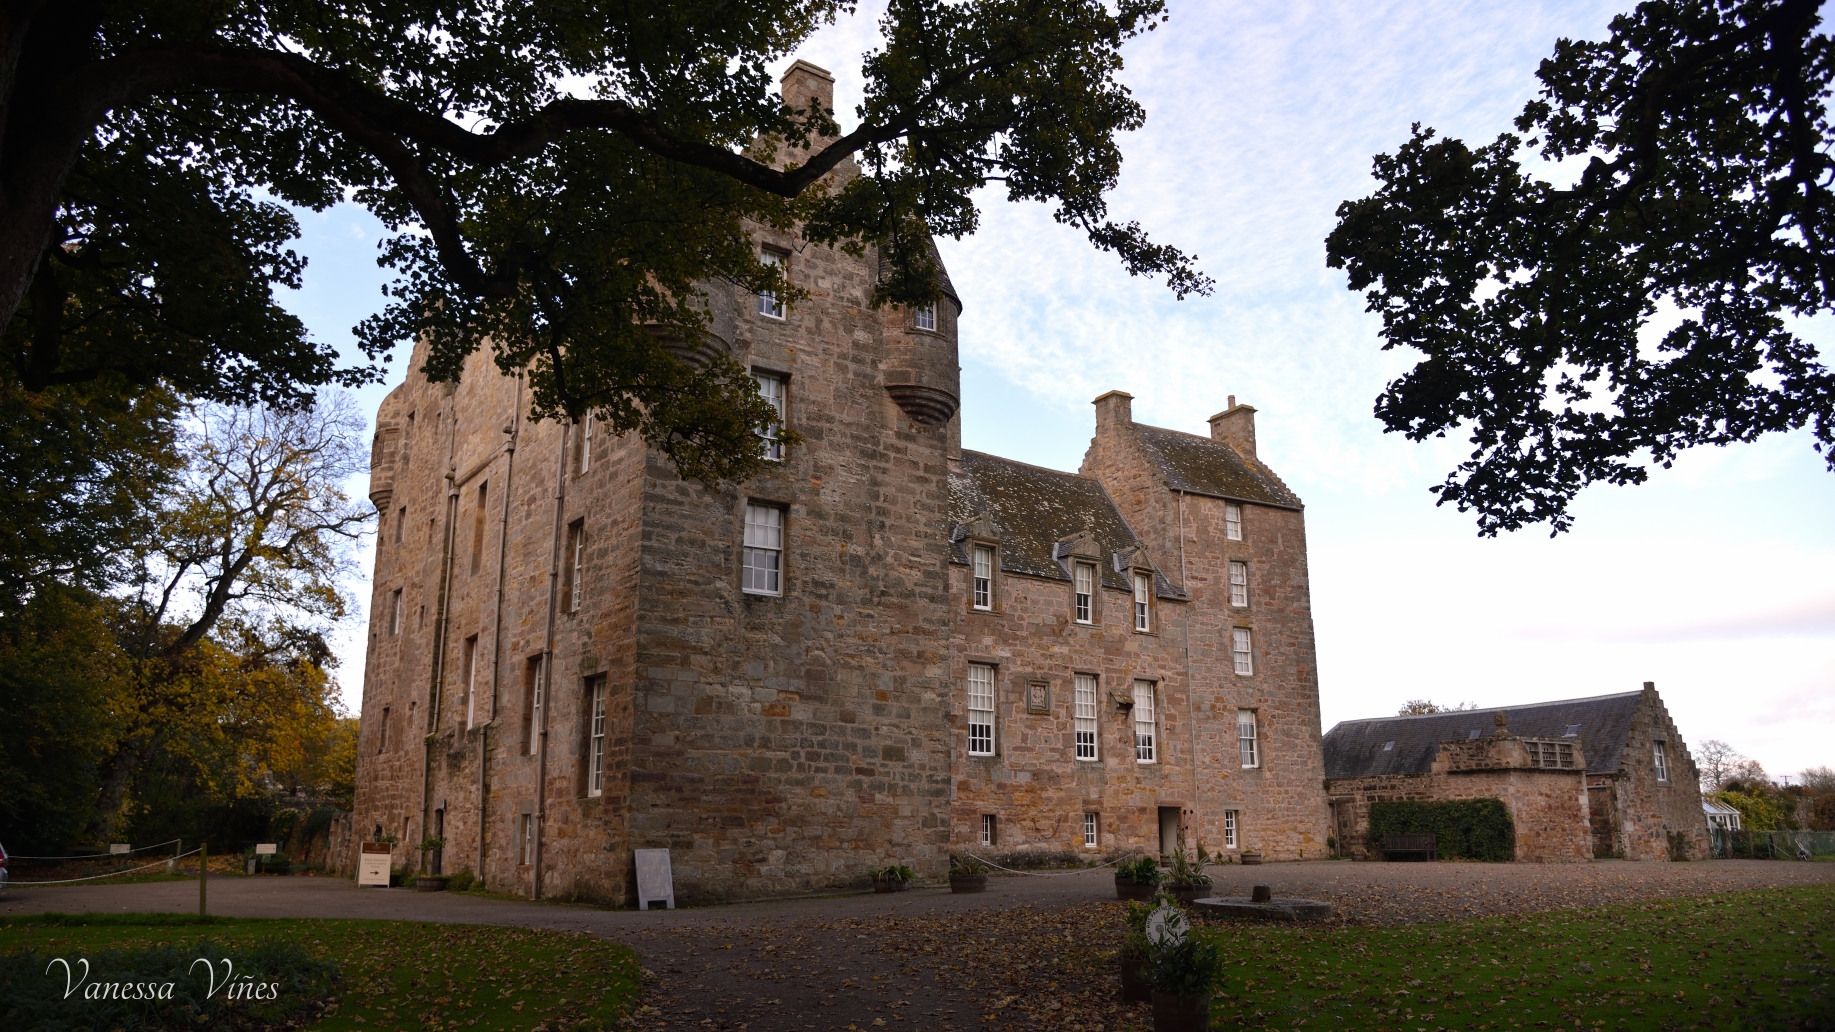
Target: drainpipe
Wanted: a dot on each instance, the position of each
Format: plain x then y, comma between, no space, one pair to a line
503,549
547,669
438,673
1191,690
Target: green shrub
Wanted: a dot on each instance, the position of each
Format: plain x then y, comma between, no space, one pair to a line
1470,829
460,882
896,872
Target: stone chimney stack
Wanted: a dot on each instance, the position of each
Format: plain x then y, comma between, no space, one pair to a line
804,84
1235,426
1114,410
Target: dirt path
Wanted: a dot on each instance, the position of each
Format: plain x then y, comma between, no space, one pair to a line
1022,955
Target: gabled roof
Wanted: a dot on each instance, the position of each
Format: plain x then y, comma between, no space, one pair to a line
1038,512
1199,465
1361,748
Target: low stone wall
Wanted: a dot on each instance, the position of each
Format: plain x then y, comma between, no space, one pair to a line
1548,807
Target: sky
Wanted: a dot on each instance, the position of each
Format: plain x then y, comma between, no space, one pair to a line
1716,580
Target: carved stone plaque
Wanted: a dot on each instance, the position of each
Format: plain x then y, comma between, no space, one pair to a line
1038,697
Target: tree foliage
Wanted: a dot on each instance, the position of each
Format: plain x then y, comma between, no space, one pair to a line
565,181
1705,191
1716,761
1421,707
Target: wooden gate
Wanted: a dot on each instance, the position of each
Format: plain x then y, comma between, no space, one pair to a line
1603,814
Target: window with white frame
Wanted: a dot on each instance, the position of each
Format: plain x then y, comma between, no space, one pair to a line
1230,824
1662,762
1083,705
575,587
980,709
1246,743
471,681
924,316
773,388
1241,651
595,736
1232,521
1085,575
764,549
1091,831
1144,751
769,304
1143,600
525,839
987,829
586,443
984,577
395,613
1239,584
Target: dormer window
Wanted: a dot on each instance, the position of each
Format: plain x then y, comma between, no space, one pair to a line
1085,575
984,577
1143,597
924,317
769,304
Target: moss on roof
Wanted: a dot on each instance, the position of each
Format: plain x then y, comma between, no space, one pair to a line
1035,510
1408,745
1200,465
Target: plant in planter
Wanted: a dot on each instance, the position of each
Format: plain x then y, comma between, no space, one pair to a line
1135,959
895,878
1184,969
1251,856
967,874
1186,880
1138,878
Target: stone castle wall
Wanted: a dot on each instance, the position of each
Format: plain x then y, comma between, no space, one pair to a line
1647,809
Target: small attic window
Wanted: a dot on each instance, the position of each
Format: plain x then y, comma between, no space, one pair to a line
1387,746
1573,731
1469,735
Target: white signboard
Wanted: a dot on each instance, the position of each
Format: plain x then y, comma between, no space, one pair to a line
373,865
115,848
654,880
264,849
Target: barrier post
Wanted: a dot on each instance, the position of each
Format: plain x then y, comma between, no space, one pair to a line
203,871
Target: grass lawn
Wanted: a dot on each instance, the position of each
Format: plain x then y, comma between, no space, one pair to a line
1748,960
394,974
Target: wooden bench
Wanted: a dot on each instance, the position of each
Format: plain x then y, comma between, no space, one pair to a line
1408,847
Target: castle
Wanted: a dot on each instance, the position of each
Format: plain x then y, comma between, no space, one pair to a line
884,649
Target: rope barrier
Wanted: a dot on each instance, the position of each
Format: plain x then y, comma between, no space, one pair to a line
1053,874
115,874
92,856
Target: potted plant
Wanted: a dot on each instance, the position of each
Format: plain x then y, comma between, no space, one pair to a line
1138,878
967,874
1251,856
1186,880
895,878
431,882
1184,970
1134,960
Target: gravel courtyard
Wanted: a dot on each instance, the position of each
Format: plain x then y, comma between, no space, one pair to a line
927,959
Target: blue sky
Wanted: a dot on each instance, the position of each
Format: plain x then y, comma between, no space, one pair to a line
1716,580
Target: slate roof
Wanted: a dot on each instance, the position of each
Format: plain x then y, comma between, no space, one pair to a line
1199,465
1036,510
1354,748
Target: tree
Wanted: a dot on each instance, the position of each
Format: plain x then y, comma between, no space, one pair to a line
1715,760
1419,707
1818,780
236,590
575,233
81,469
1706,192
1750,773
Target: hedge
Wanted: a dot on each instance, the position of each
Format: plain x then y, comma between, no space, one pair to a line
1471,829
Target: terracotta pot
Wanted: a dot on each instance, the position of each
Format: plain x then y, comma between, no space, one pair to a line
431,883
1181,1013
888,885
968,883
1132,890
1135,988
